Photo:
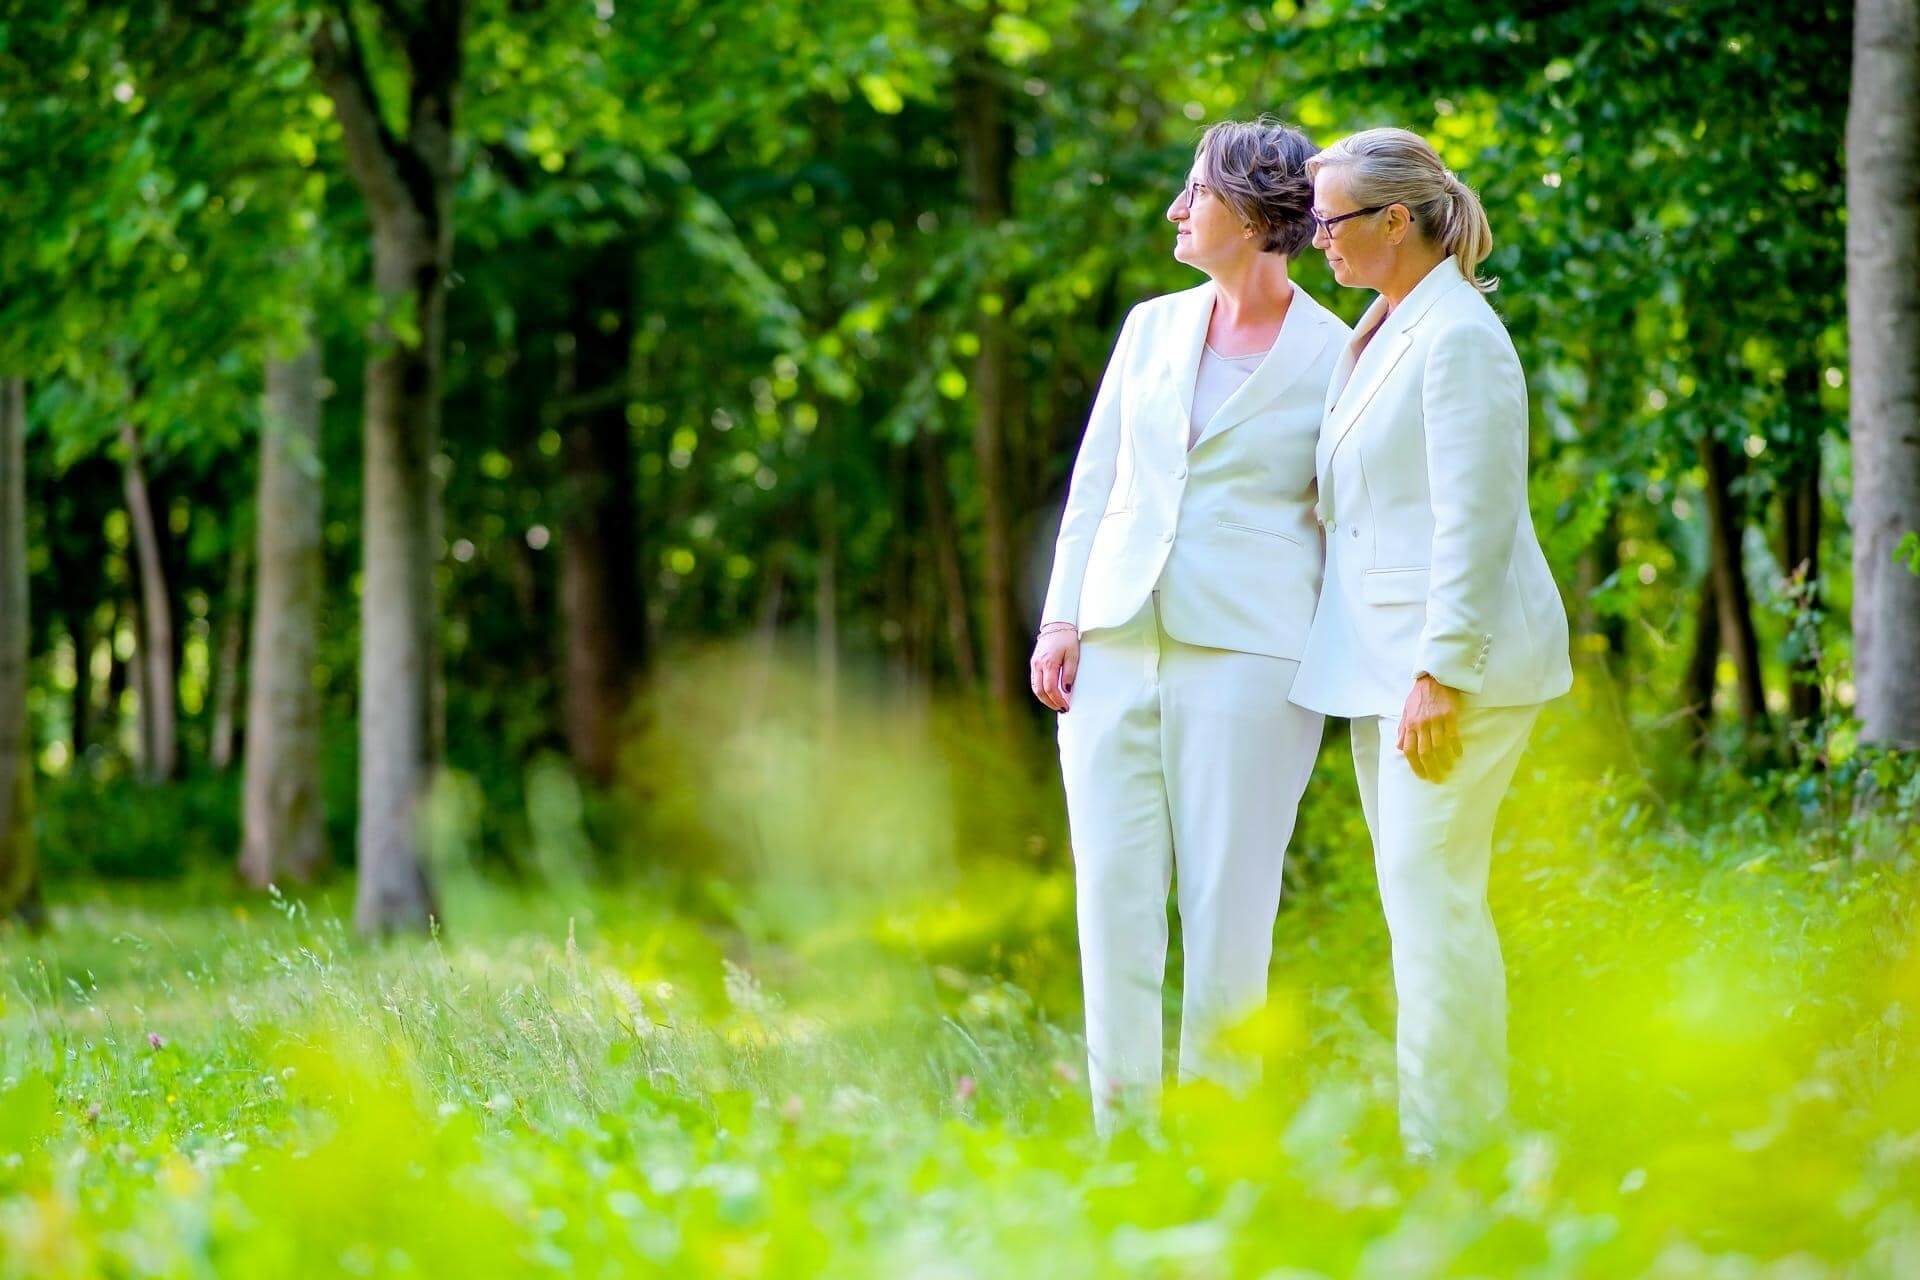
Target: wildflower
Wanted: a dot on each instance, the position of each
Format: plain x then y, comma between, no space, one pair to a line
155,1041
93,1114
964,1089
1065,1072
790,1109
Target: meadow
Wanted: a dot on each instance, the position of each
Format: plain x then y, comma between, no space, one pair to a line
849,1046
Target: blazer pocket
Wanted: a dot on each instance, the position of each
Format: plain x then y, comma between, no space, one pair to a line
1265,533
1123,511
1394,586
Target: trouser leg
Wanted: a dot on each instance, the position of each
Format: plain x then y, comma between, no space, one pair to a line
1433,846
1110,759
1238,756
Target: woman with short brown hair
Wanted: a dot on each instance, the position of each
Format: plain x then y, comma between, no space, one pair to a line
1183,584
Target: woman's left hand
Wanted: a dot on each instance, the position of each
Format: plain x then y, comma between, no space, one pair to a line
1430,729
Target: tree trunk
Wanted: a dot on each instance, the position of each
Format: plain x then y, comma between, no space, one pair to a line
1727,565
1599,561
1800,543
1703,667
946,555
137,679
283,831
19,864
979,105
112,723
602,605
159,697
407,184
175,572
1883,315
230,653
1801,516
80,629
78,553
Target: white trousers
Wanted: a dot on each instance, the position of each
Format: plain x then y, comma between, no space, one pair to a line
1432,844
1176,756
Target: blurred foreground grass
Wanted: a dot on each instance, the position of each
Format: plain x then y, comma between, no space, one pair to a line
769,1069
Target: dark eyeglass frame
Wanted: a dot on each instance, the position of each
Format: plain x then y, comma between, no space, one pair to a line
1328,224
1191,192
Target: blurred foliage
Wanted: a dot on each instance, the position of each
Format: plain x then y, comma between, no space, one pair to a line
791,192
1713,1042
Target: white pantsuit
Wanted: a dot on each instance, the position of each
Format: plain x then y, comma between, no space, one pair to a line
1190,564
1176,755
1432,846
1433,568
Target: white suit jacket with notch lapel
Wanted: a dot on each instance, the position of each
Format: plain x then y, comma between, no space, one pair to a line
1225,530
1432,563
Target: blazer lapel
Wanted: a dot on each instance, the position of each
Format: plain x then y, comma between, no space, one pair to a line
1375,363
1370,367
1303,335
1183,348
1350,355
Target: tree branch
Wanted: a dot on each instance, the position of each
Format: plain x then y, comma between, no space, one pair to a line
434,44
373,153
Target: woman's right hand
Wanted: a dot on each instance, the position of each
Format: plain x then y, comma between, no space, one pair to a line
1055,663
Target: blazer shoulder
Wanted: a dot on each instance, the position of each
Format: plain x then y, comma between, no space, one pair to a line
1466,305
1322,313
1469,335
1468,317
1162,305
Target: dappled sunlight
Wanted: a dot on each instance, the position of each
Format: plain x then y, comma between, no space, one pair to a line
840,1022
861,807
521,533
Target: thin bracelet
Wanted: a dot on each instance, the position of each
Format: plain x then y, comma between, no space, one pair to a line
1057,626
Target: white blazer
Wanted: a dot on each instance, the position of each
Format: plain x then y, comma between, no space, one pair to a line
1225,531
1432,562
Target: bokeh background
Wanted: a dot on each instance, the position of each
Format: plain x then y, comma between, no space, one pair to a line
523,526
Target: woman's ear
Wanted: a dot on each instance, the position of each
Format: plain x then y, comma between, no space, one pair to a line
1399,222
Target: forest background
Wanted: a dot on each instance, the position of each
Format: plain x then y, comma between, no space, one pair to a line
526,470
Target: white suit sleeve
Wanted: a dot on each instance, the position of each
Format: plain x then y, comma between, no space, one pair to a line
1092,483
1474,404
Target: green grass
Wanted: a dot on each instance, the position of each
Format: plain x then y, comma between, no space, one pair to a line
1715,1073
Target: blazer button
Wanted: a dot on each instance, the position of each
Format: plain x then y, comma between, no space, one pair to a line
1354,529
1166,537
1181,474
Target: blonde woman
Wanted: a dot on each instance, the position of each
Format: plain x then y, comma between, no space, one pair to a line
1439,631
1183,584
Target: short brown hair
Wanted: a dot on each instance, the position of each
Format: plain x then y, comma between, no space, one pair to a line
1258,169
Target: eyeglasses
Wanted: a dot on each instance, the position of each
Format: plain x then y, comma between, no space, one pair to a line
1325,226
1193,191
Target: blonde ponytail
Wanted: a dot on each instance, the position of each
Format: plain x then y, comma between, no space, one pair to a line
1465,234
